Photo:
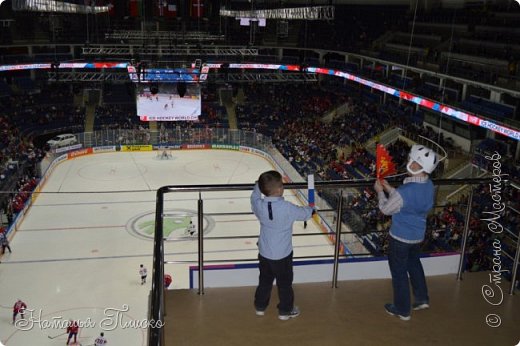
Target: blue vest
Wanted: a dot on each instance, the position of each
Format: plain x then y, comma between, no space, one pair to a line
409,224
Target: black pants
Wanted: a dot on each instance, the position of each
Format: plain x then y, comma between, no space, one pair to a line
282,271
6,246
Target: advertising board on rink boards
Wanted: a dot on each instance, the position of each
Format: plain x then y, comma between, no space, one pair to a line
165,147
196,146
225,146
104,149
67,148
257,152
137,147
82,152
58,160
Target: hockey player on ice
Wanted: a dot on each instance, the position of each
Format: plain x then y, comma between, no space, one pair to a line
190,229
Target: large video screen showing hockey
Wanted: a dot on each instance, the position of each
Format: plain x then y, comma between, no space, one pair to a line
165,103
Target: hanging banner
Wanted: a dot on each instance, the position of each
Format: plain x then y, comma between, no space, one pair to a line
111,8
171,9
136,7
197,8
160,8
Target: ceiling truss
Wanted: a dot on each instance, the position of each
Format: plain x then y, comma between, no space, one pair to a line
305,13
163,35
128,50
231,77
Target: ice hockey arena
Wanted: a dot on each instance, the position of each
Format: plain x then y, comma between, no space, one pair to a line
133,134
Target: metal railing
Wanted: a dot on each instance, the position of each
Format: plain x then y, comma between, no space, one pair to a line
514,238
222,138
156,336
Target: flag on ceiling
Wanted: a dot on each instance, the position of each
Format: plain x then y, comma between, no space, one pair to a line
136,8
167,8
197,8
111,8
171,9
160,8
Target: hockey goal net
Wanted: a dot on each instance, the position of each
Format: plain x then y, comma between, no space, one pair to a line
164,154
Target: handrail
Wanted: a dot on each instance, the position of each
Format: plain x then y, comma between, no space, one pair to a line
515,268
325,184
516,260
156,335
200,208
466,233
337,243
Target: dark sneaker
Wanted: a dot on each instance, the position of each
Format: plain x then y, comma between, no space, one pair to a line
420,306
390,309
294,313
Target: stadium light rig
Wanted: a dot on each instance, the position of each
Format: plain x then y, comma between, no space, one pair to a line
54,6
305,13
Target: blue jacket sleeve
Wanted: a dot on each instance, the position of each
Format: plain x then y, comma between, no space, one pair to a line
256,198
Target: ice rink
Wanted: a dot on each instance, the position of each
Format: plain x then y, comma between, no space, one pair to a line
78,251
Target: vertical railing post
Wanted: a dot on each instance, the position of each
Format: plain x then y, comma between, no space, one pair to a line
156,334
515,265
200,218
338,240
465,234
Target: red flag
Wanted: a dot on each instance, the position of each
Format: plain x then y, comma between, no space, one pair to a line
384,164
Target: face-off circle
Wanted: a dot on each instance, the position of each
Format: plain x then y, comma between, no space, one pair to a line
176,223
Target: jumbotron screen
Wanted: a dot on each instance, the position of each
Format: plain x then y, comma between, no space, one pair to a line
162,102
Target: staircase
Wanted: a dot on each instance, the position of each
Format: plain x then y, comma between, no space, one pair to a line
379,42
231,115
386,137
336,112
89,99
274,35
90,115
293,37
229,101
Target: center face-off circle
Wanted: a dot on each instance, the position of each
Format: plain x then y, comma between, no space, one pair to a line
175,223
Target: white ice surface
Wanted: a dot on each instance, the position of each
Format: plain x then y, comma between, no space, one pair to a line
76,255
